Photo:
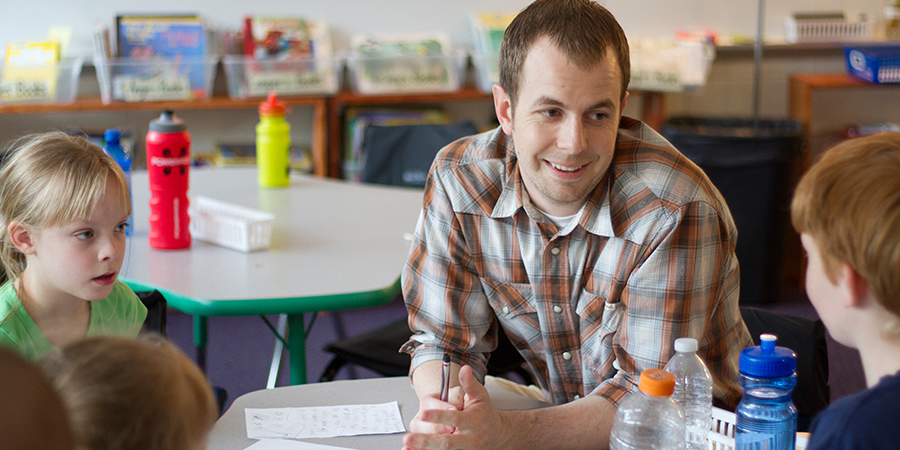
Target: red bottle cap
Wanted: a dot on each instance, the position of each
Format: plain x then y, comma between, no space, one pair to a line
272,107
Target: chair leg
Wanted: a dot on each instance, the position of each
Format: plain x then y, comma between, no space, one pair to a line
333,367
276,354
341,332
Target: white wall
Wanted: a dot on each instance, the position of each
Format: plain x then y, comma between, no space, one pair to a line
29,20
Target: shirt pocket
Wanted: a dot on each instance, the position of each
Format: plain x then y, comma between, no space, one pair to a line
513,304
599,320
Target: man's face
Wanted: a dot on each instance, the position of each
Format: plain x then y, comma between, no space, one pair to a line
564,126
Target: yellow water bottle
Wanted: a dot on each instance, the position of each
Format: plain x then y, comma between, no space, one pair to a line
273,144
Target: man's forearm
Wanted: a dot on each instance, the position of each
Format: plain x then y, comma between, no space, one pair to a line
427,378
581,424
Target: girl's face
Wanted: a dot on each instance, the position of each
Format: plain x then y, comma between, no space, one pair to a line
82,258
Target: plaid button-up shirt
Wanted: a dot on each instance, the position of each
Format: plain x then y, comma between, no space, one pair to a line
649,259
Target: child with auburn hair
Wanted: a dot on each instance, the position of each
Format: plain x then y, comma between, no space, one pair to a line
32,415
64,205
847,210
135,394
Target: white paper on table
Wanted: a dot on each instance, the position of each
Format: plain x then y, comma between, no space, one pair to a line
285,444
323,421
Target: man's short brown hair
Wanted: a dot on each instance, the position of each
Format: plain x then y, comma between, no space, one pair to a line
582,29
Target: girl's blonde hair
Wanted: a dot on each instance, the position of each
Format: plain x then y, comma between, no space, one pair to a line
49,179
136,394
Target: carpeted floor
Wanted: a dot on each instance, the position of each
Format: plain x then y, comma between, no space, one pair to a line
240,349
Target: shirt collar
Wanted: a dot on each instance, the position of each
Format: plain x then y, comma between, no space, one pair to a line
594,216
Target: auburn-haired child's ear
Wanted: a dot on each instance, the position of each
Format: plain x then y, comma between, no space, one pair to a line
857,288
21,237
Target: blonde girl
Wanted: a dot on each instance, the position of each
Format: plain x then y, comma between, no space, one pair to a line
64,205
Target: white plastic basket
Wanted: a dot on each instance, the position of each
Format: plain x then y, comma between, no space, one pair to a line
721,435
230,225
827,30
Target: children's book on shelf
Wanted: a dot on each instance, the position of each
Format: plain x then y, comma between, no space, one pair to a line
404,63
357,119
163,57
29,71
488,29
286,55
277,37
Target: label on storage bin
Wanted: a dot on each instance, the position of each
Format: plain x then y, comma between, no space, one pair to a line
161,87
27,89
289,82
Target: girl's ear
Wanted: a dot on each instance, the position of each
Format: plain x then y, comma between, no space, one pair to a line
21,237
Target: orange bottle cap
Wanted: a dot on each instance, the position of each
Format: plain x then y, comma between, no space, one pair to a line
272,107
657,382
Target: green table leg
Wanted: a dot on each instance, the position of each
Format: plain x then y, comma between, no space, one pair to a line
200,336
297,348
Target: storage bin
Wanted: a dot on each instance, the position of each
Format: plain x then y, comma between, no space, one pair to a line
230,225
56,83
140,80
879,64
407,74
827,30
722,429
249,77
663,66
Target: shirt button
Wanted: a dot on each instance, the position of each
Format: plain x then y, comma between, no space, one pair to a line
506,310
567,356
557,309
577,396
554,250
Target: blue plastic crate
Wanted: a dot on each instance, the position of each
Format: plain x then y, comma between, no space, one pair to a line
879,64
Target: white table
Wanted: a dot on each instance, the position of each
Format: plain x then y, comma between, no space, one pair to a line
230,432
335,245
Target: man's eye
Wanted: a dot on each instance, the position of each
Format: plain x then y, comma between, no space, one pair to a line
122,227
85,235
550,112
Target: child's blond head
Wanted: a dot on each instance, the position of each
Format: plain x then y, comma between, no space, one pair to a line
136,394
849,203
49,179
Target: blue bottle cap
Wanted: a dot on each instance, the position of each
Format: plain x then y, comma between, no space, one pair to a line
768,361
112,135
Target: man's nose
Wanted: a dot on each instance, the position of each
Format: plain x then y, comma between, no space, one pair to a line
571,136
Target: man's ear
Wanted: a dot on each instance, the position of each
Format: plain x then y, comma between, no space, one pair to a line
856,288
21,237
503,108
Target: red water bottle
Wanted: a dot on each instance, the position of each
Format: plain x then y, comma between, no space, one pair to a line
168,168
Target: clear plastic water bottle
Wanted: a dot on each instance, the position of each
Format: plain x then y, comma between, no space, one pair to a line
120,154
766,416
649,419
693,391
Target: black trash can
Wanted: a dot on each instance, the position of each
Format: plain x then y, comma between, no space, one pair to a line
752,167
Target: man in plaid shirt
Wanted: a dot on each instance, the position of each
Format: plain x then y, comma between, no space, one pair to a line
584,233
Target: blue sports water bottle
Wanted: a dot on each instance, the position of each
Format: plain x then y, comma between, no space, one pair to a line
122,157
766,416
